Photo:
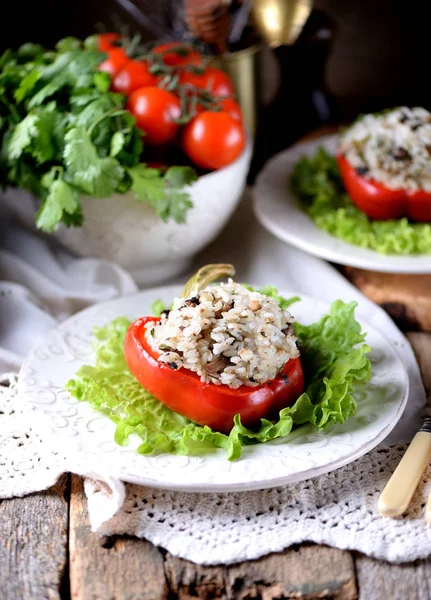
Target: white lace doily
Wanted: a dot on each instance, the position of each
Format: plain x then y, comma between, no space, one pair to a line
338,509
25,464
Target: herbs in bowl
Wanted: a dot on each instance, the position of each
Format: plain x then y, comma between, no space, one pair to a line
225,366
103,134
376,193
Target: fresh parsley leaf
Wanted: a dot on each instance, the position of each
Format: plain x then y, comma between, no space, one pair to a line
30,51
133,145
37,135
22,136
176,178
67,44
57,66
95,110
75,219
83,62
43,147
91,42
48,90
117,143
6,58
61,198
82,97
165,194
73,69
102,81
148,186
95,176
27,84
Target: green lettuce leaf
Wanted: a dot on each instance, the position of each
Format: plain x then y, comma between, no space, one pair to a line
317,182
334,361
110,388
272,292
157,307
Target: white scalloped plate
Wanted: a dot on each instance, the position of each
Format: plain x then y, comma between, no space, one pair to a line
86,436
280,212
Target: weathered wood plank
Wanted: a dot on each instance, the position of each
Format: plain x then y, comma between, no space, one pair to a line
33,544
378,580
187,580
310,572
407,298
123,569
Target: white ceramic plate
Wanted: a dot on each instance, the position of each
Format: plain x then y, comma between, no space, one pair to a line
279,211
86,436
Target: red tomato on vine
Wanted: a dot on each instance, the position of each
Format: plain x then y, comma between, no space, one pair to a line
213,139
156,111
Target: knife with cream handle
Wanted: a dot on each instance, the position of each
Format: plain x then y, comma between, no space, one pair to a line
400,488
428,510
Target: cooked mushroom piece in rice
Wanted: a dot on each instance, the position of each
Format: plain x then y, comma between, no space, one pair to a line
226,334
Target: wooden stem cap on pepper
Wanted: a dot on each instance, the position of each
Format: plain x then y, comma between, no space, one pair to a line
205,276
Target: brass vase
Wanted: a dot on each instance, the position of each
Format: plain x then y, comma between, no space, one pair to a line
280,22
243,68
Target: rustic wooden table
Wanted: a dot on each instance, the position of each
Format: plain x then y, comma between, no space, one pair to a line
47,551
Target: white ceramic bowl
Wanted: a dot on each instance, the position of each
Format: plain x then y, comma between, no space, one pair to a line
122,229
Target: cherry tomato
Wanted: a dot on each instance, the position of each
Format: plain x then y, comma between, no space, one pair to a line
226,105
208,404
117,60
155,110
133,76
231,107
380,202
215,81
182,54
213,139
106,41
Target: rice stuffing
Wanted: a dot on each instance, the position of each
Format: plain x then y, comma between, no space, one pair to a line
226,334
393,148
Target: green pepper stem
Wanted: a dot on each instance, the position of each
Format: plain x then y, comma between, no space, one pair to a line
205,276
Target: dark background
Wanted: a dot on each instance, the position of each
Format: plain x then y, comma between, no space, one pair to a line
360,56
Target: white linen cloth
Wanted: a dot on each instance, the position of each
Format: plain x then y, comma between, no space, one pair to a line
41,284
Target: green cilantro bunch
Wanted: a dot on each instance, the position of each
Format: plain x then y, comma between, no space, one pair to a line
65,136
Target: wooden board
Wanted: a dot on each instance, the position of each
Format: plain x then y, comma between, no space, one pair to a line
33,545
283,575
127,568
378,580
407,298
110,568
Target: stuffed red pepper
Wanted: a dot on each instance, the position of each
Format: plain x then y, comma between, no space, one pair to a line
385,164
221,350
